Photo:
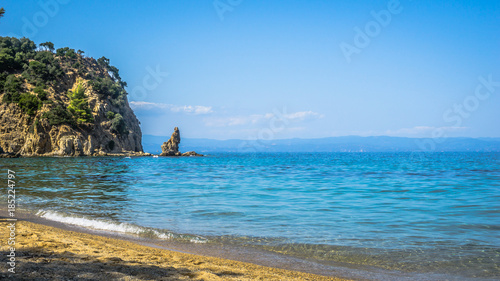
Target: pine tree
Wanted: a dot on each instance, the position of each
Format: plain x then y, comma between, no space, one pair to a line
79,106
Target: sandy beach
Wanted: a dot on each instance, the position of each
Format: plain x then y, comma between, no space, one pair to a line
49,253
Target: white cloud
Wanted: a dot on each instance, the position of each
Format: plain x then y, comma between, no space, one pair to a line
144,105
304,115
260,119
196,109
189,109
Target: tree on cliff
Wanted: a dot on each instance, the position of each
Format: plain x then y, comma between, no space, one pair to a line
49,46
79,106
2,11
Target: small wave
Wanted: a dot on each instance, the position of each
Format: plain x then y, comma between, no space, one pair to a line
106,225
197,240
97,224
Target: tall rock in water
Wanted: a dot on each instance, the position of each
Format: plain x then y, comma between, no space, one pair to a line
171,147
63,103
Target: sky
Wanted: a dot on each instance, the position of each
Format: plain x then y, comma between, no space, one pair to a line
241,69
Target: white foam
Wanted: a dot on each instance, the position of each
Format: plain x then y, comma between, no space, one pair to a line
198,240
165,236
100,224
106,225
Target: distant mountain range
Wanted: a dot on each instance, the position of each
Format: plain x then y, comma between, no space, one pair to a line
152,144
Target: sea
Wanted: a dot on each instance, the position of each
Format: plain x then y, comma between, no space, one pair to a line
366,216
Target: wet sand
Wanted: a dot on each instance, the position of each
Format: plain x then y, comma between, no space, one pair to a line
48,253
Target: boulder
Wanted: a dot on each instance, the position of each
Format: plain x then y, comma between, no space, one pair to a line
191,153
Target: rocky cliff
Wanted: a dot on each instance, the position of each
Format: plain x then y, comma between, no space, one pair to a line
62,103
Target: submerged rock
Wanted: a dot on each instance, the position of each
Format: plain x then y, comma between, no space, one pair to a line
191,153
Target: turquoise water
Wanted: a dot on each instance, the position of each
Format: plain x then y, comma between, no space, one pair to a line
412,212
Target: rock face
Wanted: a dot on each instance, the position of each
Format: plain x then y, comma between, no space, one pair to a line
109,126
171,147
22,136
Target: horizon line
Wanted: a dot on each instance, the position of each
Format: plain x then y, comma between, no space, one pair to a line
276,139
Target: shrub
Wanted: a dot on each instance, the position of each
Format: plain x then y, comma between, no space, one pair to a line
14,52
118,124
79,106
44,57
110,114
103,61
41,93
13,86
58,115
70,53
39,69
3,77
7,61
107,87
38,73
119,101
27,46
55,71
29,103
61,52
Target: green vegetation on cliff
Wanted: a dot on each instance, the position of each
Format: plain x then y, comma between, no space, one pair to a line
79,106
27,72
58,115
61,102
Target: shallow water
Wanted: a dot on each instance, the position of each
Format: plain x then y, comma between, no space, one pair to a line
418,213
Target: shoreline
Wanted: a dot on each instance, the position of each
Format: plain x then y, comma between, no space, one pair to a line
40,235
231,252
254,262
50,252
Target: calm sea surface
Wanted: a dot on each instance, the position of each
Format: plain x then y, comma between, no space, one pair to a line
421,212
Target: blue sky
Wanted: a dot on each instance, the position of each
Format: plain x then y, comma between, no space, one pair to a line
281,69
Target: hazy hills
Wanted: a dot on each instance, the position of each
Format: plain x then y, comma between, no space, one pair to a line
333,144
